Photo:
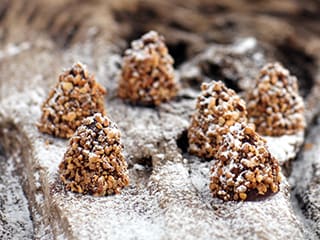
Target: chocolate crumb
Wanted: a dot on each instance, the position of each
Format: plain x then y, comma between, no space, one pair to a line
147,75
94,163
76,96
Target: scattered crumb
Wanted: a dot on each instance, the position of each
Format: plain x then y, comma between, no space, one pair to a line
48,142
308,146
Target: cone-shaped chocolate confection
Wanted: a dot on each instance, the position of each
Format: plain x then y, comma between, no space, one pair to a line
244,168
147,75
218,108
274,104
94,163
76,96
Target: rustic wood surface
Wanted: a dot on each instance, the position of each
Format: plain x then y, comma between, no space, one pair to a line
40,37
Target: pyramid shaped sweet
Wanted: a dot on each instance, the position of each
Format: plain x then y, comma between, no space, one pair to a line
94,163
274,104
218,108
243,167
147,75
76,96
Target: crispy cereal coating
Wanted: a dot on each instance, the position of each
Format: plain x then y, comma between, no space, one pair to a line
94,163
274,104
218,108
147,75
76,96
243,168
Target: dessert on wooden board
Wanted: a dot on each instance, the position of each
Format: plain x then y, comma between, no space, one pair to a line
151,185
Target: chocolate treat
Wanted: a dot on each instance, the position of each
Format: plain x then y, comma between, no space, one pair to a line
76,96
147,75
244,167
274,104
94,163
218,108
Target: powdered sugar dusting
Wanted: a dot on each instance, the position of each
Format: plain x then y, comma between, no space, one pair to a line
290,145
167,199
14,49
